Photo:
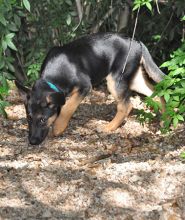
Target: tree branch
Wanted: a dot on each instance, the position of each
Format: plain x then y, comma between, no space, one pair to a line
123,17
79,9
98,25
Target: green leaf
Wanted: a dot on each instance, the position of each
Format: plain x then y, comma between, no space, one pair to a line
183,18
10,67
156,37
178,71
10,36
174,104
149,6
69,2
2,64
73,13
136,7
12,27
26,4
182,155
4,45
17,20
68,21
165,64
3,20
11,45
166,97
180,117
176,98
175,122
182,84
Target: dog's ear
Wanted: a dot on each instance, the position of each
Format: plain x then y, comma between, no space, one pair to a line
24,91
56,98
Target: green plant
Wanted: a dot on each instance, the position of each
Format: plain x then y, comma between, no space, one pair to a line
140,3
33,68
3,93
33,72
10,21
172,88
182,155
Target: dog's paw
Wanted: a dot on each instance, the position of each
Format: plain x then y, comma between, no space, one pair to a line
105,129
57,131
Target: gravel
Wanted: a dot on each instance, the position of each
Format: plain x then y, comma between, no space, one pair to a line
132,173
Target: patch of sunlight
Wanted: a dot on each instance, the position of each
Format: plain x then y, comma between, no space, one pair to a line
11,202
4,151
14,164
118,198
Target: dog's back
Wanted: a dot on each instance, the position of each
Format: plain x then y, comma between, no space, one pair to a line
95,55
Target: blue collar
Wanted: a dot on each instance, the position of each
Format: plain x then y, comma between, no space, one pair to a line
53,86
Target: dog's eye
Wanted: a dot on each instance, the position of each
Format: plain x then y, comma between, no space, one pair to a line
42,120
29,117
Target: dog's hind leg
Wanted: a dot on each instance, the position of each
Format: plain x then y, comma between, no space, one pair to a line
124,106
123,109
68,110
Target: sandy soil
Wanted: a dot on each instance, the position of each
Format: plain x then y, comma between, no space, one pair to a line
134,173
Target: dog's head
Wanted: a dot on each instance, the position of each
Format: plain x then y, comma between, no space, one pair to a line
42,105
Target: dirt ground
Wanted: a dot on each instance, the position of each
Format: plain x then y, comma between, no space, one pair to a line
134,173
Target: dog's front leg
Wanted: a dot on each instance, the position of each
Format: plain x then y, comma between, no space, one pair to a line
66,113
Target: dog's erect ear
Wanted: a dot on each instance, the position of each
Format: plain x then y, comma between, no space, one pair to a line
24,91
56,98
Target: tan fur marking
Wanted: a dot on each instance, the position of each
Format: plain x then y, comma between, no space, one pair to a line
111,86
51,120
123,110
140,84
66,112
48,99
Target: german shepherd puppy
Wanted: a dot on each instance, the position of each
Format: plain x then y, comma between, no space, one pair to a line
69,72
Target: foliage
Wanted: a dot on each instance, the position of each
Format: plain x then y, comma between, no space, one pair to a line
172,88
182,155
139,3
161,29
10,21
3,92
33,68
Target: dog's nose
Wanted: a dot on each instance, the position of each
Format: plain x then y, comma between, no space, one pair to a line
34,141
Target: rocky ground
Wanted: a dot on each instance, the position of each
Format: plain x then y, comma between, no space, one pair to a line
134,173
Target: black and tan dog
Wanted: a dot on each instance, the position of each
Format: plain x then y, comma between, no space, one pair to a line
71,71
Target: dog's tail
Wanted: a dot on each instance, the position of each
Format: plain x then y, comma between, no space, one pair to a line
150,67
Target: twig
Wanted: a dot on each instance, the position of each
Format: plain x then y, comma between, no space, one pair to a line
80,13
183,32
79,9
123,17
96,27
156,2
95,159
153,49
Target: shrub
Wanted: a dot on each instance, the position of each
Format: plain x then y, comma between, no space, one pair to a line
172,88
